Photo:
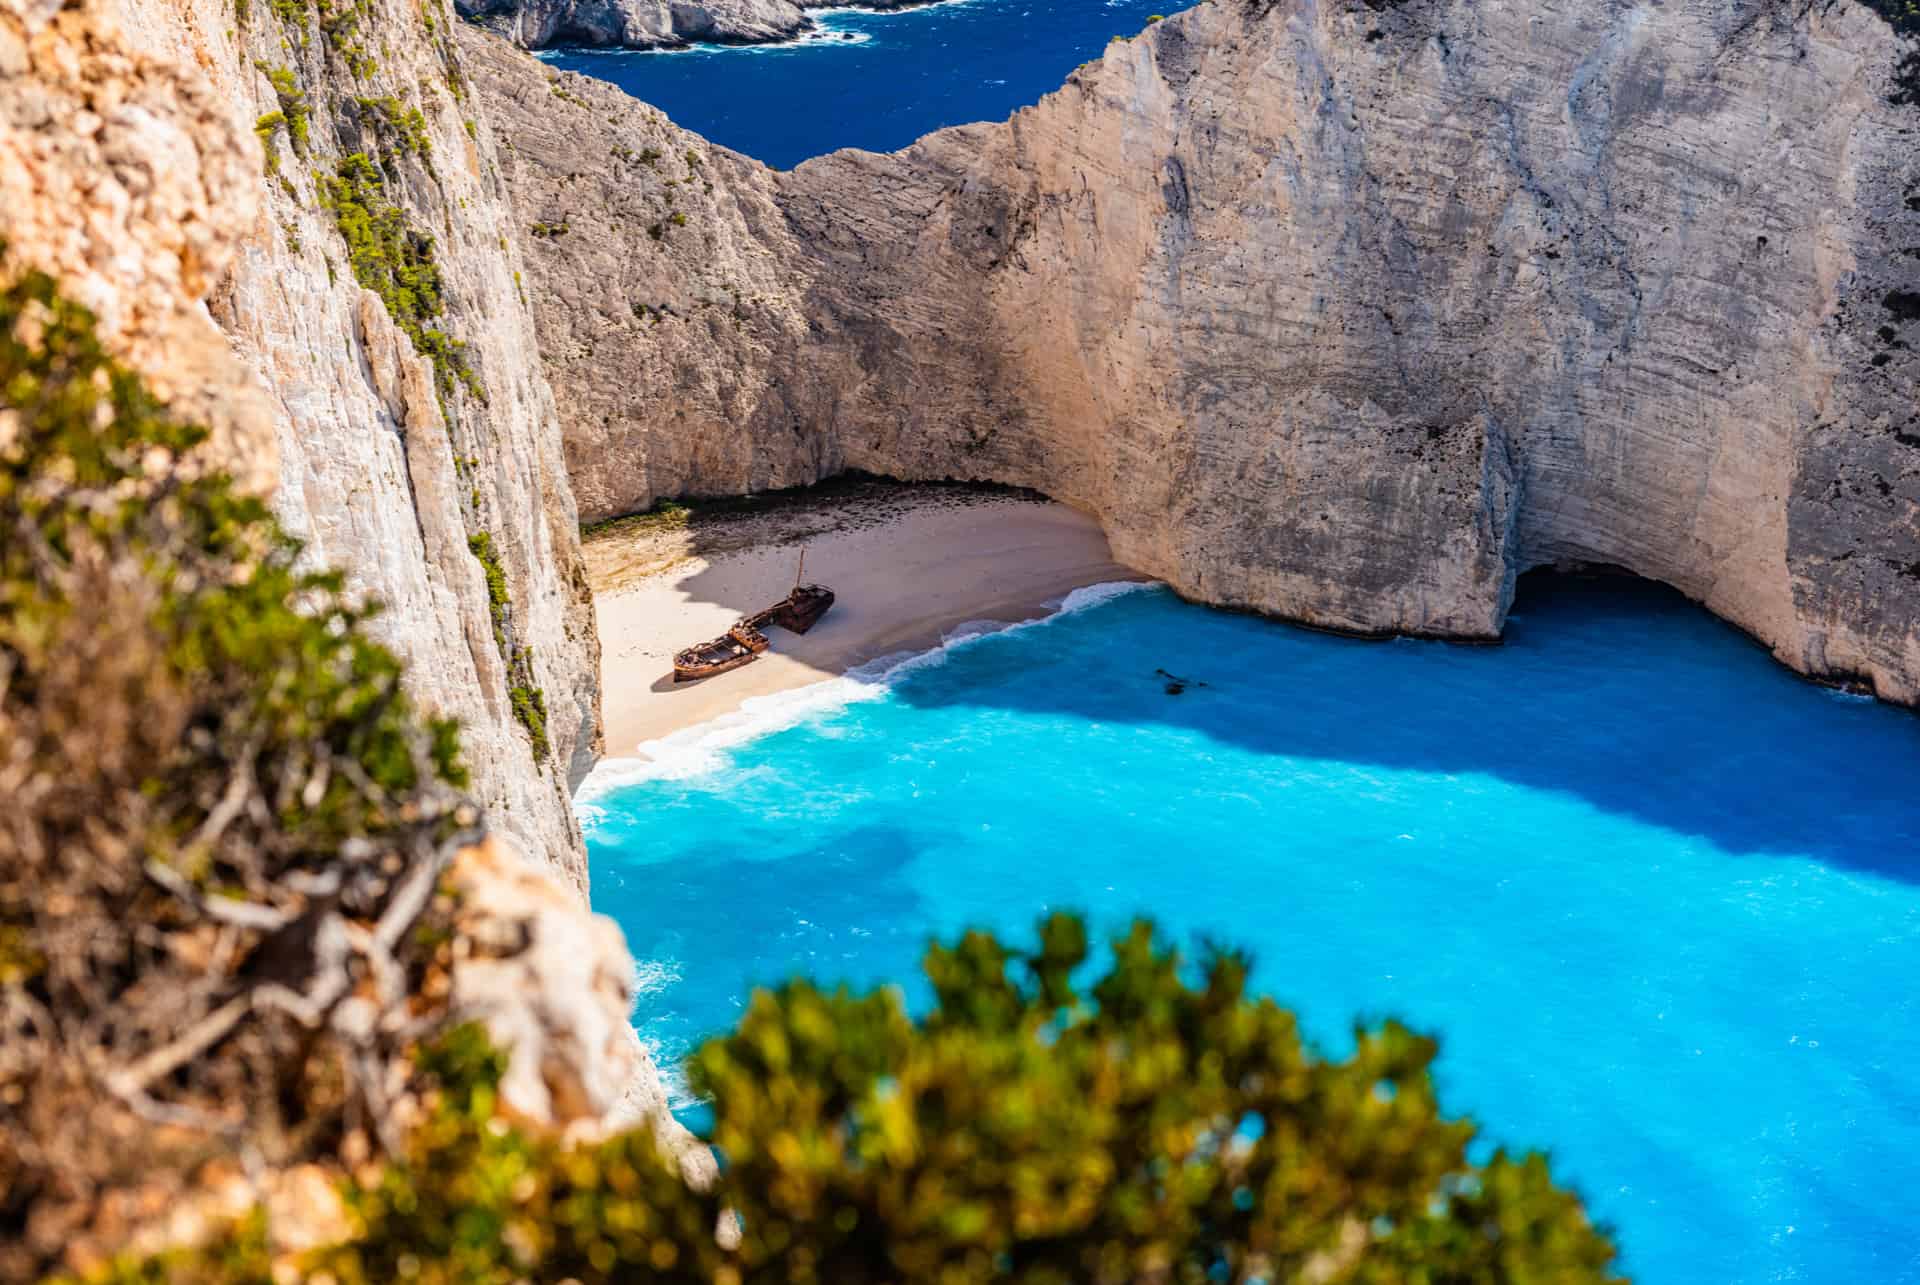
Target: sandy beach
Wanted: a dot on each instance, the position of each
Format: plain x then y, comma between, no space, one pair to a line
909,565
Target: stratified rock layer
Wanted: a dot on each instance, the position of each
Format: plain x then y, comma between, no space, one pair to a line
1344,312
639,24
655,24
385,470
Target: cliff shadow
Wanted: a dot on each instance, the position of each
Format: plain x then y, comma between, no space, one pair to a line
1614,690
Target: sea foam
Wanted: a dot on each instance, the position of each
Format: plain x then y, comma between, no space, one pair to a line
701,749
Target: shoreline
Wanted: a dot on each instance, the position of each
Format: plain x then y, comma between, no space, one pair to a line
910,566
814,32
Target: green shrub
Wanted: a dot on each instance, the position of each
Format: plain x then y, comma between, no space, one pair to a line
294,110
480,544
265,129
401,130
198,737
1159,1125
530,707
395,261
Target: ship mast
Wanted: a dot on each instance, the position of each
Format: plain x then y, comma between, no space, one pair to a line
802,568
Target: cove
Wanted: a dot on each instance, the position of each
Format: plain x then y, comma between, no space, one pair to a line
1659,897
871,80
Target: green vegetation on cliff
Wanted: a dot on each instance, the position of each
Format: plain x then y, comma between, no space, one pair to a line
395,261
1156,1125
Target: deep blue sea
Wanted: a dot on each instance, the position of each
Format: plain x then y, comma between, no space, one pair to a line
1659,897
870,80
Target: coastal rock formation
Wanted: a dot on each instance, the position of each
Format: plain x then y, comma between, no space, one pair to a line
1344,312
655,24
375,304
638,24
290,224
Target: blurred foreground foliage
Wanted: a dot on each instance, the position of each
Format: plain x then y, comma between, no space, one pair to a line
1160,1125
223,819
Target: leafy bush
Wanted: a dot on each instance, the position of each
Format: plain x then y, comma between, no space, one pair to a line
480,545
400,129
392,259
1157,1126
294,109
222,809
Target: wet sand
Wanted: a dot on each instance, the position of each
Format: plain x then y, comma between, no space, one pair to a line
909,565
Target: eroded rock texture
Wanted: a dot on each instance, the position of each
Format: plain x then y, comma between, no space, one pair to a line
655,24
638,24
391,467
1345,312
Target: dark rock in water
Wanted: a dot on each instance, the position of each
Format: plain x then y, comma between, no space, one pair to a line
1176,684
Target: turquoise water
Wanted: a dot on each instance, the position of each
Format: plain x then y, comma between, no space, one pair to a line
876,81
1660,898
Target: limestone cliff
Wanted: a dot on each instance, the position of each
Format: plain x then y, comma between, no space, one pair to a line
655,24
289,223
639,24
376,304
1345,312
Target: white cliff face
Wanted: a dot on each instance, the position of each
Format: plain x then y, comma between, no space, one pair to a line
385,469
640,24
185,170
654,24
1344,312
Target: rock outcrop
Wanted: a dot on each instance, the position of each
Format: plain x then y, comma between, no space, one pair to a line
655,24
638,24
1344,312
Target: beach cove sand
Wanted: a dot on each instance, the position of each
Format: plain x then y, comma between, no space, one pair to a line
910,565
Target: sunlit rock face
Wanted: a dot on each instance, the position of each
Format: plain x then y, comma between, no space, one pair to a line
383,468
1343,312
639,24
171,162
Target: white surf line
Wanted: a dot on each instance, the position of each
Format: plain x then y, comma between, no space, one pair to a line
700,749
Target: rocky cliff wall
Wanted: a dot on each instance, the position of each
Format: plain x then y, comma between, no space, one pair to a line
416,436
654,24
1344,312
290,221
